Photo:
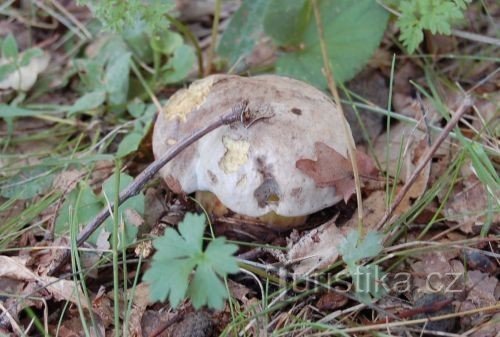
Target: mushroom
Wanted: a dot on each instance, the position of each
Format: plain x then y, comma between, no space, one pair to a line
252,170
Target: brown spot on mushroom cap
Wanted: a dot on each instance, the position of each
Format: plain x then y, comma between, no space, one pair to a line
268,192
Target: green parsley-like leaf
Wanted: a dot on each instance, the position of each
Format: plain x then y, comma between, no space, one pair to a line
353,250
368,282
178,254
434,15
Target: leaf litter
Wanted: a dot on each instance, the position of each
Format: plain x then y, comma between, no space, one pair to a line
315,249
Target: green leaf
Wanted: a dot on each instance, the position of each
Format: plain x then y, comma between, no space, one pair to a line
368,282
352,31
243,31
434,15
6,70
179,65
128,232
89,101
166,42
9,48
178,254
9,111
28,183
136,108
117,79
135,35
80,206
27,55
290,31
353,250
129,143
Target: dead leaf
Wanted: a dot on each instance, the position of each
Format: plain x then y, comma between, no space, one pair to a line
317,249
333,169
468,206
15,268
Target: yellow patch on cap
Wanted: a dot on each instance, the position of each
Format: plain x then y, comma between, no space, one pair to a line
236,154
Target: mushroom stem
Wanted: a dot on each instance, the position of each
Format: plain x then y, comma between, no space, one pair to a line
277,222
234,115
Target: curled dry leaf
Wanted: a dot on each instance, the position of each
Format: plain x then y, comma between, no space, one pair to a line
333,169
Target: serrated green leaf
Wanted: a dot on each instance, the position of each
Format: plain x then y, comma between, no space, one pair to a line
289,31
354,250
28,183
243,31
352,31
433,15
180,253
9,48
220,255
117,79
367,282
89,101
206,288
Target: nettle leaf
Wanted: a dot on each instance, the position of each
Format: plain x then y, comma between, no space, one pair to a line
290,31
243,31
352,31
354,250
28,183
178,254
9,47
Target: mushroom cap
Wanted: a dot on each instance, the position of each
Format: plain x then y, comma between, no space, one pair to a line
252,170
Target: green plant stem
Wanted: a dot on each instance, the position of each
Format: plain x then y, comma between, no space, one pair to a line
213,39
116,228
333,89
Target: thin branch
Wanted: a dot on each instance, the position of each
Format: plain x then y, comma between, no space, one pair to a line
232,116
466,103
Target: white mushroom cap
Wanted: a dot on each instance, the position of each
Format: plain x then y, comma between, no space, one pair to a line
251,170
